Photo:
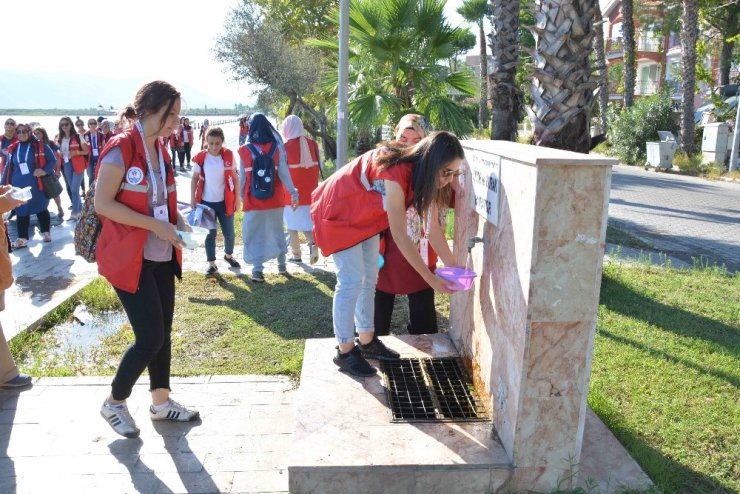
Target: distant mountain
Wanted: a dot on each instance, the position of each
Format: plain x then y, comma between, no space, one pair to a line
24,89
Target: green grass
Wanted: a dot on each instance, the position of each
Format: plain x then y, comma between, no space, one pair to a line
615,235
666,373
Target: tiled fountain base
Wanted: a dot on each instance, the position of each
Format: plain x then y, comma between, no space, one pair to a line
344,440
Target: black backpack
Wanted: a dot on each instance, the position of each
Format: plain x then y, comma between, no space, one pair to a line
263,172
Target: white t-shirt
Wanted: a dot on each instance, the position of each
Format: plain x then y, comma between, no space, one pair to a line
65,148
213,191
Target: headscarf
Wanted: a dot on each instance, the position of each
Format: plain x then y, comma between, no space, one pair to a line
419,123
261,130
293,128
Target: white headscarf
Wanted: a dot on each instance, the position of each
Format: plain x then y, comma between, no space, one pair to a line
291,128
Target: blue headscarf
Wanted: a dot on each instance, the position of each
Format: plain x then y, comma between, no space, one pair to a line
261,130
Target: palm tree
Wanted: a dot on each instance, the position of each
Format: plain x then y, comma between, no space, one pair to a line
474,11
506,98
562,90
689,34
628,38
601,63
397,53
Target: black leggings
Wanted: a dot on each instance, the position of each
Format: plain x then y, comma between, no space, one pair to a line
421,312
185,152
25,221
150,312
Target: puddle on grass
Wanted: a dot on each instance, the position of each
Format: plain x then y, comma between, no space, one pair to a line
84,332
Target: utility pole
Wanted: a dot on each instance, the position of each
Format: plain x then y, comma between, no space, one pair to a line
342,124
735,135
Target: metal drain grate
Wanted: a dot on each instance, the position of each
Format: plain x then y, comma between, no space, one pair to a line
430,390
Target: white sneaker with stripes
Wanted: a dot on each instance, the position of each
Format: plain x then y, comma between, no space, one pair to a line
173,411
119,418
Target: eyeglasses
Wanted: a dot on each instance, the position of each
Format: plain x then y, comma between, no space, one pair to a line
451,173
22,131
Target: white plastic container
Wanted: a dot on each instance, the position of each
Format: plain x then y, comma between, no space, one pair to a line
23,194
195,238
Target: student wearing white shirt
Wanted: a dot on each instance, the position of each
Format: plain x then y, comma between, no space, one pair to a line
214,184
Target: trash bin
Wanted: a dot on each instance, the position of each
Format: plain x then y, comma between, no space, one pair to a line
660,154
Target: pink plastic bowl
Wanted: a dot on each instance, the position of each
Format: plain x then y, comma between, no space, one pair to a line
461,279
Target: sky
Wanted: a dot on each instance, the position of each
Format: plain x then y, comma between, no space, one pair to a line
141,40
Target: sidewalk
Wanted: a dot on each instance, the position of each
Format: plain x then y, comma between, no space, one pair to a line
240,445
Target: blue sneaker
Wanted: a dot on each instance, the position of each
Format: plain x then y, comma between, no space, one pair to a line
18,381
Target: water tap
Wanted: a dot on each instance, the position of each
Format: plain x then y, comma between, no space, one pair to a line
472,241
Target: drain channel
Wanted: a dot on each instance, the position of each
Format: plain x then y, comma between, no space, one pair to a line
430,390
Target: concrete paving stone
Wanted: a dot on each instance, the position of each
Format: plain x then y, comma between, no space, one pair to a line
227,379
122,483
260,481
277,413
267,442
70,464
194,483
246,461
170,462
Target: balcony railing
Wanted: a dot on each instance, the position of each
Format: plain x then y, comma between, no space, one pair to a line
615,45
651,45
643,88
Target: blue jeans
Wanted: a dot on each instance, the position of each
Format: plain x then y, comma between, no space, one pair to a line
91,169
227,228
257,267
354,295
75,181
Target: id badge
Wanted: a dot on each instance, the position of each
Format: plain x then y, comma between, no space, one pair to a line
424,250
95,152
161,213
24,168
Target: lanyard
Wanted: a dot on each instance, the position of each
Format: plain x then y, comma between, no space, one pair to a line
162,171
18,154
94,140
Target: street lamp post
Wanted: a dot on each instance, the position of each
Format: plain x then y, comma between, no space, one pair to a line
342,124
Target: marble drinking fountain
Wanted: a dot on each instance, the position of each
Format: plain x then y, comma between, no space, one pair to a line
525,333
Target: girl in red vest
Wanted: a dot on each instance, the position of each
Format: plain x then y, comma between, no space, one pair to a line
214,184
397,276
243,130
28,161
107,132
185,134
94,140
359,201
73,153
8,138
304,164
139,251
42,136
262,226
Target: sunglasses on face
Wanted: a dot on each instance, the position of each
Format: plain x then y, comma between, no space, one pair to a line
22,131
10,123
451,173
92,124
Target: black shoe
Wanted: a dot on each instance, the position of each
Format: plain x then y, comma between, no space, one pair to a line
354,363
232,262
377,350
212,270
258,277
182,168
296,260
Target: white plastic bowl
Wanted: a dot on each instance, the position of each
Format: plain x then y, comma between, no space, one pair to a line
195,238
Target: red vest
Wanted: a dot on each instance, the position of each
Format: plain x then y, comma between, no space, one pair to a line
79,162
88,139
182,138
230,183
39,158
175,140
278,198
107,137
304,179
2,158
345,210
243,129
120,248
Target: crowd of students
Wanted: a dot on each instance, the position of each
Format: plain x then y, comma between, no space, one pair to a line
399,191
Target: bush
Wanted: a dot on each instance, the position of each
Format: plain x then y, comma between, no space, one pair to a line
690,165
631,128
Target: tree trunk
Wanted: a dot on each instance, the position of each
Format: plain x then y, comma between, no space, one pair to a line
689,34
562,90
483,102
506,98
291,105
330,142
725,59
601,63
630,64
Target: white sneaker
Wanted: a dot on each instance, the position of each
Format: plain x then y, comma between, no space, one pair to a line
173,411
119,418
314,250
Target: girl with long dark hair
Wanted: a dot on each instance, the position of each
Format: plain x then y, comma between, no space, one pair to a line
73,150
